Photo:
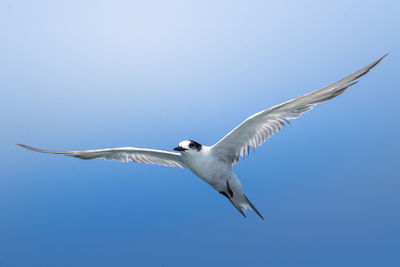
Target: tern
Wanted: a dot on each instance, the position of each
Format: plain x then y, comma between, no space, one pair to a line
213,164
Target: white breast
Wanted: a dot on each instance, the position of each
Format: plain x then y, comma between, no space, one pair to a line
207,166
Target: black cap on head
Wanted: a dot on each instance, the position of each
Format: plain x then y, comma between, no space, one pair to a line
195,145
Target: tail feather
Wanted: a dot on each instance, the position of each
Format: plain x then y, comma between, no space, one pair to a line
238,207
242,204
234,193
253,208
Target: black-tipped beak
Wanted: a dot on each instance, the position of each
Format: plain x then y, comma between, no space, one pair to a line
179,148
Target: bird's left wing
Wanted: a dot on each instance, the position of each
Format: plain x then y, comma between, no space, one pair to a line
140,155
256,129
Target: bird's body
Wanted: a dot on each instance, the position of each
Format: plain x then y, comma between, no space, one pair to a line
207,166
213,164
217,173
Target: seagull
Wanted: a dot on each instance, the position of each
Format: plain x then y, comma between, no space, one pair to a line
213,164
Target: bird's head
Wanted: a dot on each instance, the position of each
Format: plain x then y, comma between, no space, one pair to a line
188,145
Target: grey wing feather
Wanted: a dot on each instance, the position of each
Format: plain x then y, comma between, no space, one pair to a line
140,155
256,129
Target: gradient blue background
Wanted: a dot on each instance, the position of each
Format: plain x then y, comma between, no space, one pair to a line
94,74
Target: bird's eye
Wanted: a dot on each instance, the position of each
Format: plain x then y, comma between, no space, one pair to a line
191,145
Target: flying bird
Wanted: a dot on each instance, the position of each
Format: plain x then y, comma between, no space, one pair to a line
213,164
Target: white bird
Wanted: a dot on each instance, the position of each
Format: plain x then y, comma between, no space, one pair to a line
213,164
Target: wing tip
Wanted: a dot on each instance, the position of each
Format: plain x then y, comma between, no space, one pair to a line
26,147
373,64
384,55
40,150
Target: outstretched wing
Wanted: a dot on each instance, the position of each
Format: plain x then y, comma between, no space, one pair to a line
256,129
140,155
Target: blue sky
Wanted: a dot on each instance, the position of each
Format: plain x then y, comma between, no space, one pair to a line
94,74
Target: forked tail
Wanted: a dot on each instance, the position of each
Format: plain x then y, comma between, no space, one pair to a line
240,201
253,208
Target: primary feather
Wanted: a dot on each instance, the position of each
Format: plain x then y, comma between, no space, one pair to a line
135,154
256,129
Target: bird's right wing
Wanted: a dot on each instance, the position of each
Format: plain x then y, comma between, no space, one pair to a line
140,155
256,129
